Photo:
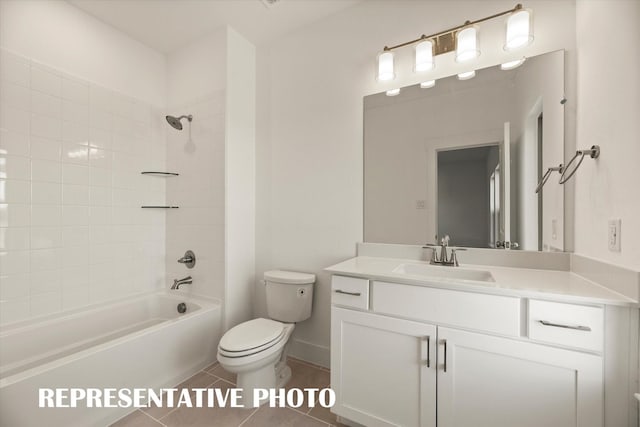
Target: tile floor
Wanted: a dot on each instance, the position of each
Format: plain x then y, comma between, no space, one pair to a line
302,375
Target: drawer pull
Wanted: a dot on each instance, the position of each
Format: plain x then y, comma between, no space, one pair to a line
560,325
340,291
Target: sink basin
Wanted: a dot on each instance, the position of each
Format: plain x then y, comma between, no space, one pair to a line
427,270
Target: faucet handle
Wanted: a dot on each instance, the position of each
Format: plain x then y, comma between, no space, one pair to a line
189,259
454,256
434,252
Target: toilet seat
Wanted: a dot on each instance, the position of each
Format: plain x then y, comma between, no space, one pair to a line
251,337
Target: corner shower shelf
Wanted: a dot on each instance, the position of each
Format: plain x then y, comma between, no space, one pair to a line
155,173
163,174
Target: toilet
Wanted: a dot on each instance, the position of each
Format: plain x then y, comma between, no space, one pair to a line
256,350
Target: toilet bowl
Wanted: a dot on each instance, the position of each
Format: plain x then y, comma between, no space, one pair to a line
256,350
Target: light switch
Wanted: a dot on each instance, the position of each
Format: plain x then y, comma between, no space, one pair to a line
614,235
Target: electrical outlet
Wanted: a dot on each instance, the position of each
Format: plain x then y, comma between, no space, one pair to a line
420,204
614,235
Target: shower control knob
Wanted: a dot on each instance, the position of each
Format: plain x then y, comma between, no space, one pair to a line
189,259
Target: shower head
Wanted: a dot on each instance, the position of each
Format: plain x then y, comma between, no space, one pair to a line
175,121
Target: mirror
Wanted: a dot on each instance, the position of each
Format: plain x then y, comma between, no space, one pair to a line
464,158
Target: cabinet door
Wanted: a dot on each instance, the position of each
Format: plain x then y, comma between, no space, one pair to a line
499,382
383,370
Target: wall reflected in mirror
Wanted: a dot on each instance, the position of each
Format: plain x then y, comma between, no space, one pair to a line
464,158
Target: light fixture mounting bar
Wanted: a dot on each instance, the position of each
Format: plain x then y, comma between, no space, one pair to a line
444,41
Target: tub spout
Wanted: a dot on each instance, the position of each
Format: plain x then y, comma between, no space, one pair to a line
178,282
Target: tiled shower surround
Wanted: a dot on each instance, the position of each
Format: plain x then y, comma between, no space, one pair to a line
199,225
72,231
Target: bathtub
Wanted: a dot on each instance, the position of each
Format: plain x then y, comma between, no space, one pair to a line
141,342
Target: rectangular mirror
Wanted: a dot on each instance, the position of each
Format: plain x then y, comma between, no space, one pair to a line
464,158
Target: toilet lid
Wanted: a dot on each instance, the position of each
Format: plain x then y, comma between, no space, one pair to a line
252,334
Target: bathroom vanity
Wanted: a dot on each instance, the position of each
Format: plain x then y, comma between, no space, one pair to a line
419,345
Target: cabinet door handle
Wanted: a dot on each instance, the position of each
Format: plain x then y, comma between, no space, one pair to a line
340,291
560,325
445,354
427,338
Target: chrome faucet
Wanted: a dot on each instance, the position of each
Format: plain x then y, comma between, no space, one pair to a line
178,282
443,259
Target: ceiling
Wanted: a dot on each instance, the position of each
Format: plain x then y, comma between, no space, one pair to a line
166,25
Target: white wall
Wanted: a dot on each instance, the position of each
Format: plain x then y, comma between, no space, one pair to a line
608,107
240,178
309,164
62,36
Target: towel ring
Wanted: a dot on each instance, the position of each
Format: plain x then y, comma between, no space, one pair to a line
593,152
546,176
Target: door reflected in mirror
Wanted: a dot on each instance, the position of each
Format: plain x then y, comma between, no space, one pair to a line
464,158
468,206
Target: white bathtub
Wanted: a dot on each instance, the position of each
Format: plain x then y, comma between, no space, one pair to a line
139,343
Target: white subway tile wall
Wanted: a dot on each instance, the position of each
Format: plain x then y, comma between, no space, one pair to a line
199,224
72,232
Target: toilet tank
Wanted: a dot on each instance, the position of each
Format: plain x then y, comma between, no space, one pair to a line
289,295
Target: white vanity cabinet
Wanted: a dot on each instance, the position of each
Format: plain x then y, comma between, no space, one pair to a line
410,352
490,381
383,369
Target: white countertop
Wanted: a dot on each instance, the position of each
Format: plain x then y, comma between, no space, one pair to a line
524,282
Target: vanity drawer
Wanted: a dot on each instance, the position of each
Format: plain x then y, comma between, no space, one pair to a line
350,292
491,313
570,325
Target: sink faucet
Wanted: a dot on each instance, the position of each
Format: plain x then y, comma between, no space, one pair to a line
177,282
443,259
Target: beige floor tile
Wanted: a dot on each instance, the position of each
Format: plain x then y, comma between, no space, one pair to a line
199,380
313,365
206,417
136,419
324,414
210,367
306,376
281,417
219,372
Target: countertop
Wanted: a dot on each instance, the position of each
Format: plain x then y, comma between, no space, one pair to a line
553,285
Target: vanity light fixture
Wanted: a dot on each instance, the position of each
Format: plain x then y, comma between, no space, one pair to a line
512,64
424,56
467,44
462,39
466,76
393,92
385,66
518,30
427,85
